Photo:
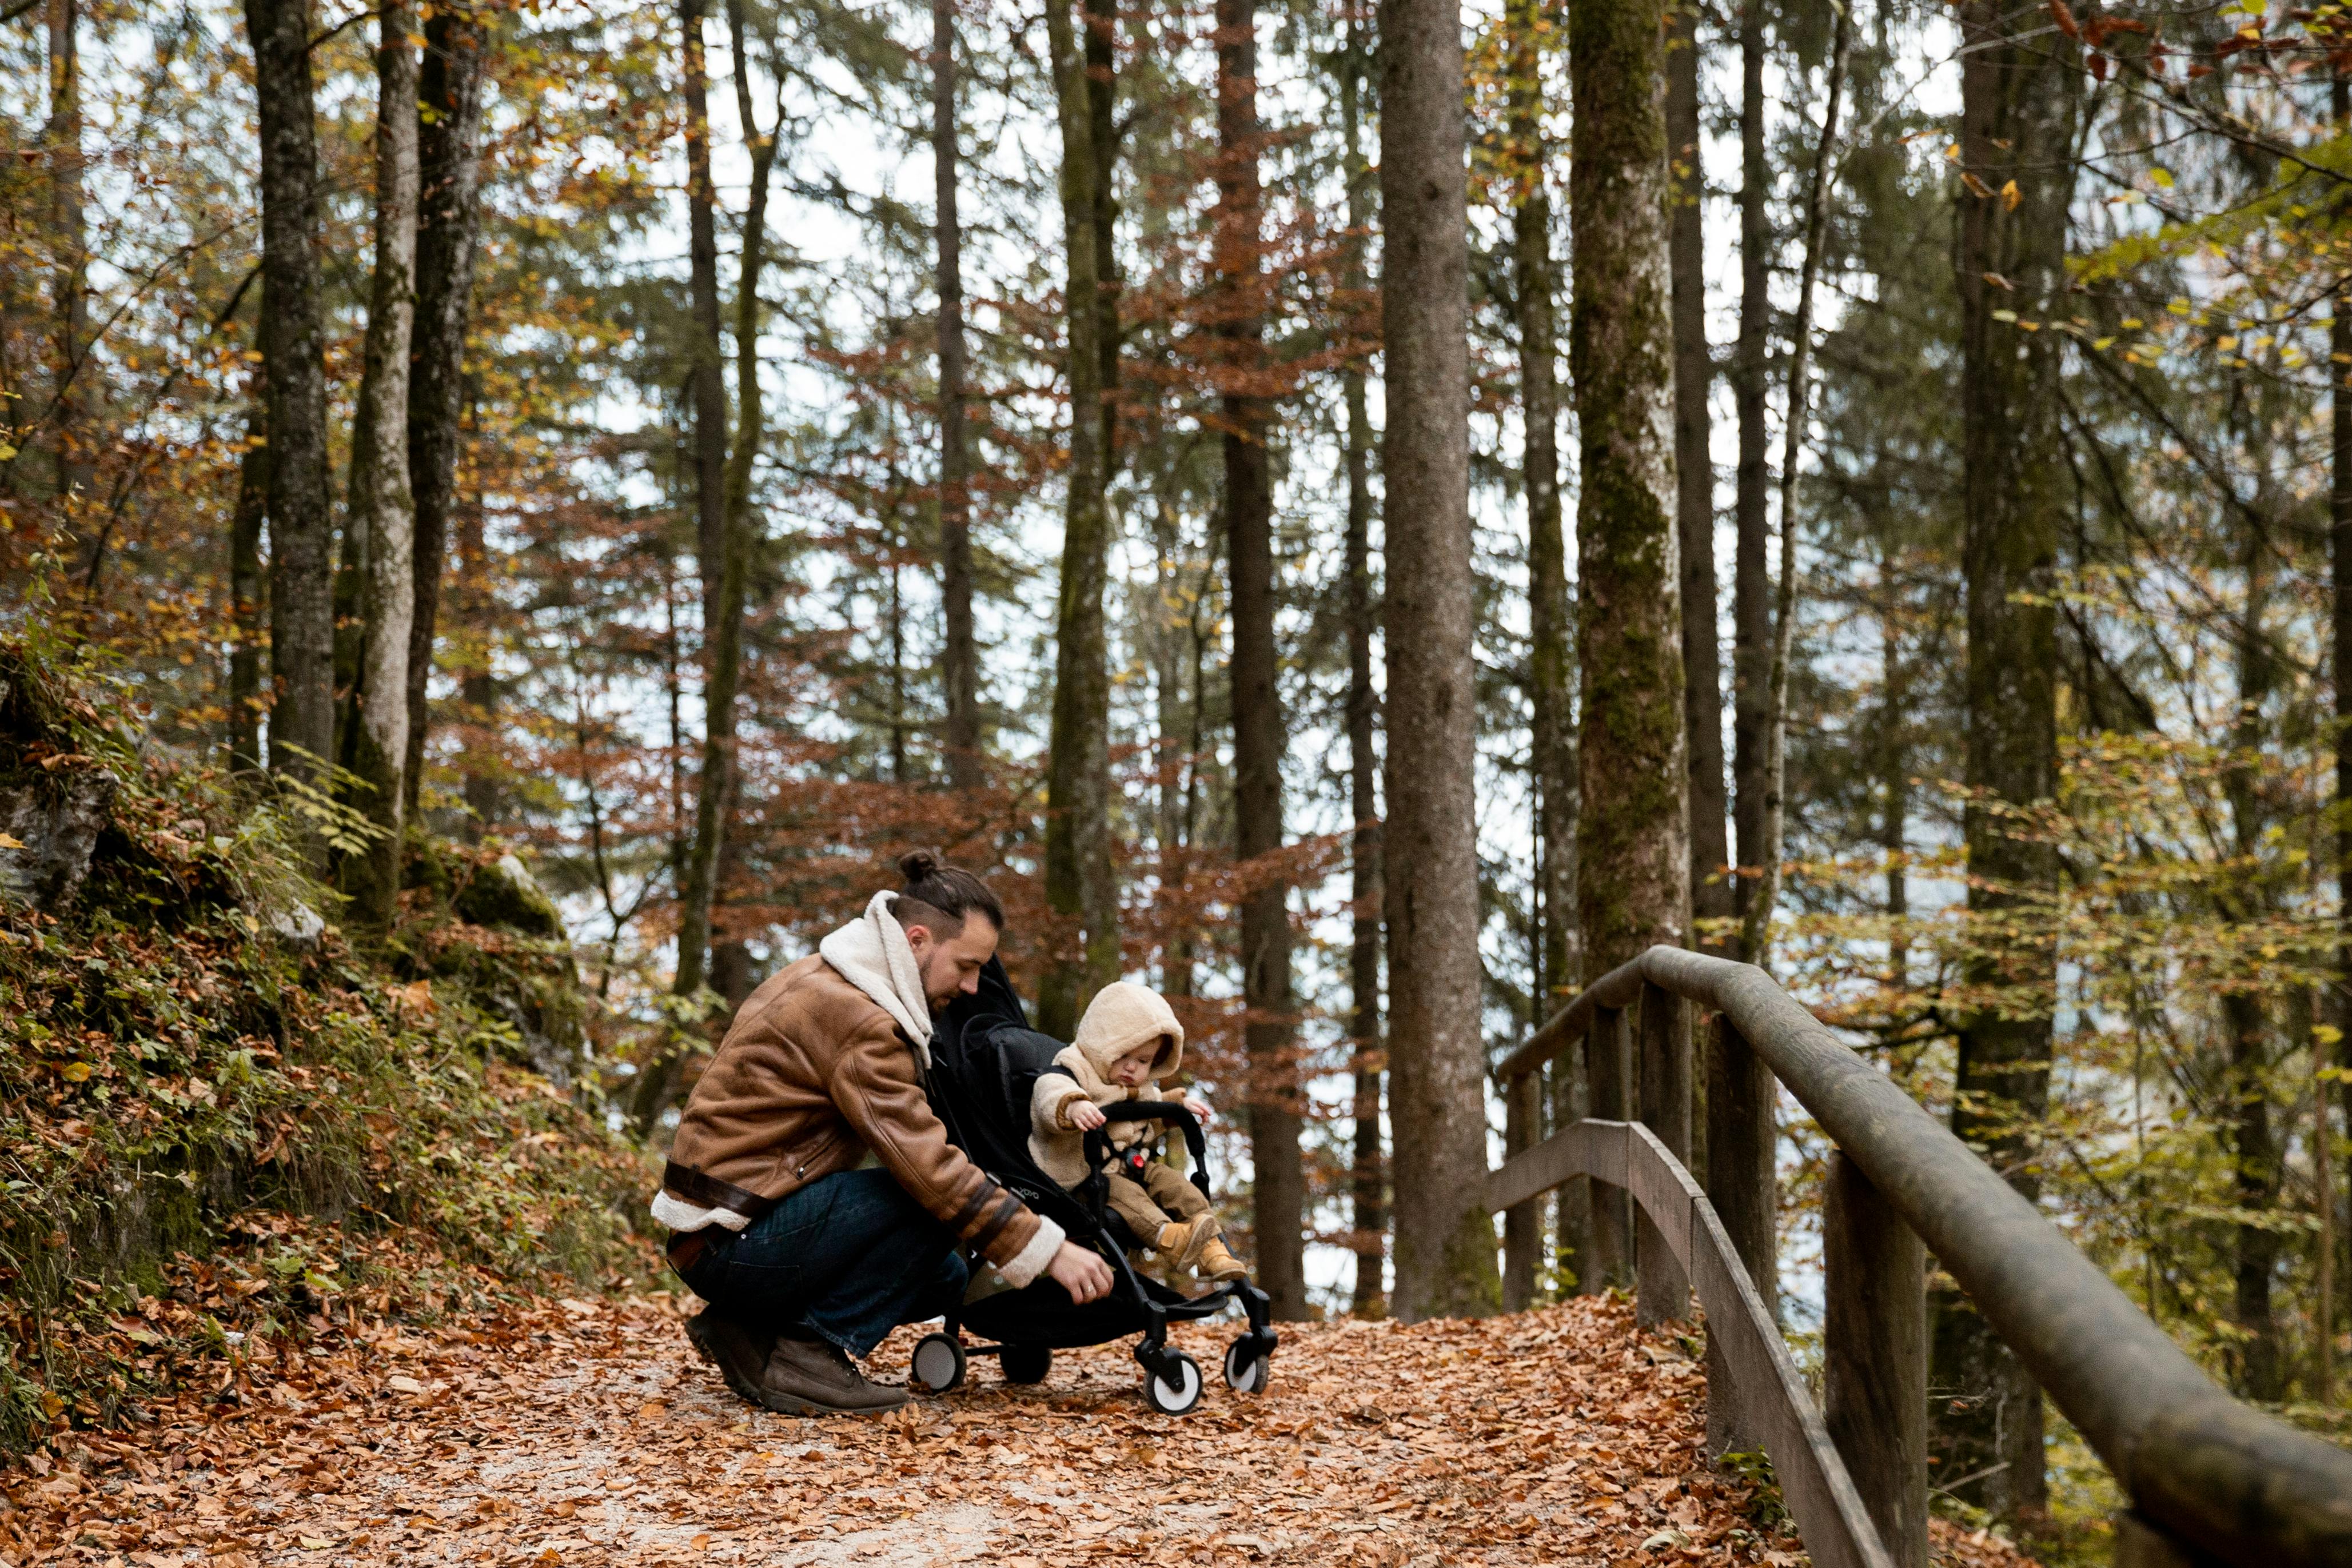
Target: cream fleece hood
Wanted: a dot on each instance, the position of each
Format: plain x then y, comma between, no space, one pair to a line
1123,1015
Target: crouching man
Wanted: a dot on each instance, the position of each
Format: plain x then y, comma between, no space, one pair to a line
806,1259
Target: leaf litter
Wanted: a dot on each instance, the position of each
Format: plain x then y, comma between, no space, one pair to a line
573,1431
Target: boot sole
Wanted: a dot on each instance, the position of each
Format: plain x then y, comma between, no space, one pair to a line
791,1405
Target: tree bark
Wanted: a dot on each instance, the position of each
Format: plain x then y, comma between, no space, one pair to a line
1534,287
383,509
1277,1119
961,662
1444,1240
1751,586
2340,665
245,591
1755,936
478,686
1366,1196
449,229
705,384
293,355
1634,839
1080,885
1711,886
70,237
2019,92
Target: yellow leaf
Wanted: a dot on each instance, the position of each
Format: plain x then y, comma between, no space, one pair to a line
2010,195
9,841
77,1072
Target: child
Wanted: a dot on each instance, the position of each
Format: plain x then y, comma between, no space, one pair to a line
1128,1041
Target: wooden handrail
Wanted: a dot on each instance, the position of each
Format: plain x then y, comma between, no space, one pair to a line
2213,1474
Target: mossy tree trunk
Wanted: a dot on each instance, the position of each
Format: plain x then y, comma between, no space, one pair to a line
960,663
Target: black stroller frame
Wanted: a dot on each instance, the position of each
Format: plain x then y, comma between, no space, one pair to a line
985,1062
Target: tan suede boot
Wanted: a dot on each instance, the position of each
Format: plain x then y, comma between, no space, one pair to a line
1219,1264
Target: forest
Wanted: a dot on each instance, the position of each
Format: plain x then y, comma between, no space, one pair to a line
1363,517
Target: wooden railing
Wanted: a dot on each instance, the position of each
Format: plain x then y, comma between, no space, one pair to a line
2208,1479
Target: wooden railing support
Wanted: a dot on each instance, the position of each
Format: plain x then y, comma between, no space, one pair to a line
1522,1223
1740,1142
1609,1073
1874,1356
1666,1095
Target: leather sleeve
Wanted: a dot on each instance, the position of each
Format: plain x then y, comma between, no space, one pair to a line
875,1085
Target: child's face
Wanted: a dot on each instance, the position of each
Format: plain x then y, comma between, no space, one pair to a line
1133,1070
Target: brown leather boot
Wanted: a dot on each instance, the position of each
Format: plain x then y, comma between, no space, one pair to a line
740,1354
811,1377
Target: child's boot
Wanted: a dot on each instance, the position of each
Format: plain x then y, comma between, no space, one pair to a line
1177,1241
1218,1263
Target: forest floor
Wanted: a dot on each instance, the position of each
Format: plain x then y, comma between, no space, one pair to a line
581,1432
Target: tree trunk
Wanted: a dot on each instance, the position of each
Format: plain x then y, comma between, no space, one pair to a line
1080,888
2018,97
1278,1185
705,384
1534,287
382,507
961,666
1365,1182
293,356
1711,887
2340,665
448,230
245,592
1444,1240
1634,840
1755,936
75,441
478,687
1751,586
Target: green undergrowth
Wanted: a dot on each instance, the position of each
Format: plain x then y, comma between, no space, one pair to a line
219,1121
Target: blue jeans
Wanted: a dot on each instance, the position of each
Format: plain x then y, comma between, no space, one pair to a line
846,1259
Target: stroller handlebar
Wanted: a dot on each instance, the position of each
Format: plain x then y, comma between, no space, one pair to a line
1100,1154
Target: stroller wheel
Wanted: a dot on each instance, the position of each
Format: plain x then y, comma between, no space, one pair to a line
939,1363
1026,1363
1246,1372
1174,1398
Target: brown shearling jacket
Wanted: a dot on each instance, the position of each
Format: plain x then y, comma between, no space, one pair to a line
812,1075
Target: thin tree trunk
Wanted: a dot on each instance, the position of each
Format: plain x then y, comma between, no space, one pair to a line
293,354
1751,585
1445,1240
1534,287
1755,936
961,666
2340,660
1365,1178
448,230
705,384
382,507
478,687
1101,50
69,230
1278,1187
1080,888
245,591
1634,849
2018,92
1711,887
1894,781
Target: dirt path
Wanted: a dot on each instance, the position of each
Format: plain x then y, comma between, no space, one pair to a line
589,1433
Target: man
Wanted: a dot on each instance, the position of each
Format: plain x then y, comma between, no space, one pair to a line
806,1259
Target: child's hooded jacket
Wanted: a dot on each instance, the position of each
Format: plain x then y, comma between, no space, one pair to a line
1123,1017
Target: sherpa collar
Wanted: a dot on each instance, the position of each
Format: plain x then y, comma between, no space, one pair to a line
872,953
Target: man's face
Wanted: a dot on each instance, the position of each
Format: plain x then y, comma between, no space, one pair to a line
952,965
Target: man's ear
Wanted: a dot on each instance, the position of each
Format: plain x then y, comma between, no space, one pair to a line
920,938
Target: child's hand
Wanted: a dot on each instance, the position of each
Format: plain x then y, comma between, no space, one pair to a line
1200,1109
1086,1116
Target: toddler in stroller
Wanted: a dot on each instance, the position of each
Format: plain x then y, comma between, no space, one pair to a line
985,1064
1127,1044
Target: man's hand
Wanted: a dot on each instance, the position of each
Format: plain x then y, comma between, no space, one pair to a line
1086,1116
1079,1272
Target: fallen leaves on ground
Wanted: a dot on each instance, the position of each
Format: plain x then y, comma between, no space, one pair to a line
587,1432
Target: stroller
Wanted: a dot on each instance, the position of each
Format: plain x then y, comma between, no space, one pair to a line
985,1062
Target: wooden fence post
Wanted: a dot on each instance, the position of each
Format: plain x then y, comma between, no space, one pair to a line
1609,1072
1874,1356
1522,1227
1666,1111
1743,1187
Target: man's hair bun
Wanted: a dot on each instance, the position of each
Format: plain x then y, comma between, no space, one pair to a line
917,864
938,896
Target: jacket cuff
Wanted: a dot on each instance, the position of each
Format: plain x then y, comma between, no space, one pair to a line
1025,1265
